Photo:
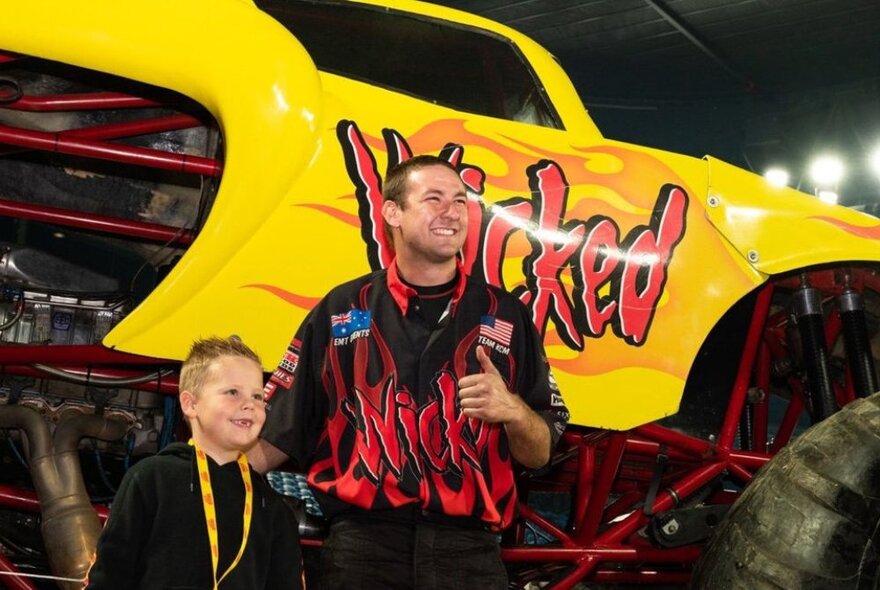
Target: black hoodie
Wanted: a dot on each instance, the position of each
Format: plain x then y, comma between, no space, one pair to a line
156,538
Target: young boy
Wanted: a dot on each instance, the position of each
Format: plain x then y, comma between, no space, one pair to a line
195,516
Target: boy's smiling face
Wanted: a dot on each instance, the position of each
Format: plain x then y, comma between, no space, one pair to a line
228,412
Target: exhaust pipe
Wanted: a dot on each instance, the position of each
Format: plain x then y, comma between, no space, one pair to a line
70,525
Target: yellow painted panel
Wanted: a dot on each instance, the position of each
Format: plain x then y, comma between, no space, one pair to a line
302,148
780,229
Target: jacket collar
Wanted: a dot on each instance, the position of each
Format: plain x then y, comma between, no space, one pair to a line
402,293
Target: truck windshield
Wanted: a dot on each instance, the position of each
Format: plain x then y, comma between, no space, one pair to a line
448,64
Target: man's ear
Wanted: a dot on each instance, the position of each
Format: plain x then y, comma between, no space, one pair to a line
188,404
391,213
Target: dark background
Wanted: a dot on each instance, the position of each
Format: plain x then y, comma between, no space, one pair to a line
756,83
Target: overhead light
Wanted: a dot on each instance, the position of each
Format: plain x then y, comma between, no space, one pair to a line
826,170
828,196
777,176
874,161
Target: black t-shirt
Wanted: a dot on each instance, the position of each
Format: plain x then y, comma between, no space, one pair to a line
429,303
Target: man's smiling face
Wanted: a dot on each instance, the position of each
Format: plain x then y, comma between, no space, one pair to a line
431,225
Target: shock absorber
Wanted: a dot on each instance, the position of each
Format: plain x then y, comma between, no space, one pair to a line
856,342
810,322
747,428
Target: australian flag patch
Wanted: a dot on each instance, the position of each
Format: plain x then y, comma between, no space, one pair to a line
343,324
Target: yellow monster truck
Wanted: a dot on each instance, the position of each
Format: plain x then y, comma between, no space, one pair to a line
175,169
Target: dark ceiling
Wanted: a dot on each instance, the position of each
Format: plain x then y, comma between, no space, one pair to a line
754,82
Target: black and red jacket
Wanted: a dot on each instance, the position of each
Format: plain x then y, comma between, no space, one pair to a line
366,399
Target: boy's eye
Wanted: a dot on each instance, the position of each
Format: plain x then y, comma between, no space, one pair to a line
231,392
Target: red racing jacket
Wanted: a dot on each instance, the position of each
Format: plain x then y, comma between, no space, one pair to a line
365,399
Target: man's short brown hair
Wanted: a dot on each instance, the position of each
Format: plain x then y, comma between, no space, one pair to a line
205,351
395,184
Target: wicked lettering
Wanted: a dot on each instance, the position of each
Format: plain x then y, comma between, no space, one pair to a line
616,282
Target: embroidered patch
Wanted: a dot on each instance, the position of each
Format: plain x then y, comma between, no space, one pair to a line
283,373
551,382
290,360
343,324
497,330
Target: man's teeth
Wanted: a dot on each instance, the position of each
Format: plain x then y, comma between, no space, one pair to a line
444,231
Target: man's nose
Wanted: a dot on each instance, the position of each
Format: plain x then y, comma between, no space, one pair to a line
451,211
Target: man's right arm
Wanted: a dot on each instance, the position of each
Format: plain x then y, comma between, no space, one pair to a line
264,456
297,404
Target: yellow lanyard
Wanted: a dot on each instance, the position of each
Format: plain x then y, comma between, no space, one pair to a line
210,512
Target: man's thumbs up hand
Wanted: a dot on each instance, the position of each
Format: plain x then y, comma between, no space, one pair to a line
486,362
485,396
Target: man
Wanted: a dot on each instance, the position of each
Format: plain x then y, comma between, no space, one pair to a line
407,394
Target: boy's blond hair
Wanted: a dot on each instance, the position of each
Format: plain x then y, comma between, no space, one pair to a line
205,351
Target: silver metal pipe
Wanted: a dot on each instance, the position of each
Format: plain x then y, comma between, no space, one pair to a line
103,381
70,525
19,311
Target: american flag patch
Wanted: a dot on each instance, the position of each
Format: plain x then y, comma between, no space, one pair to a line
495,329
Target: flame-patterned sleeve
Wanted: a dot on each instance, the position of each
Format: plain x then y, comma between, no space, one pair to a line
297,400
535,382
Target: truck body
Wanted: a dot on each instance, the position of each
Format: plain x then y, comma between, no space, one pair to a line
220,163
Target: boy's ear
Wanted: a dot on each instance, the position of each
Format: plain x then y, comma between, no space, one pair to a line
188,403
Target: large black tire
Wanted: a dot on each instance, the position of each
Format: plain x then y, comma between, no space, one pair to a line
809,519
